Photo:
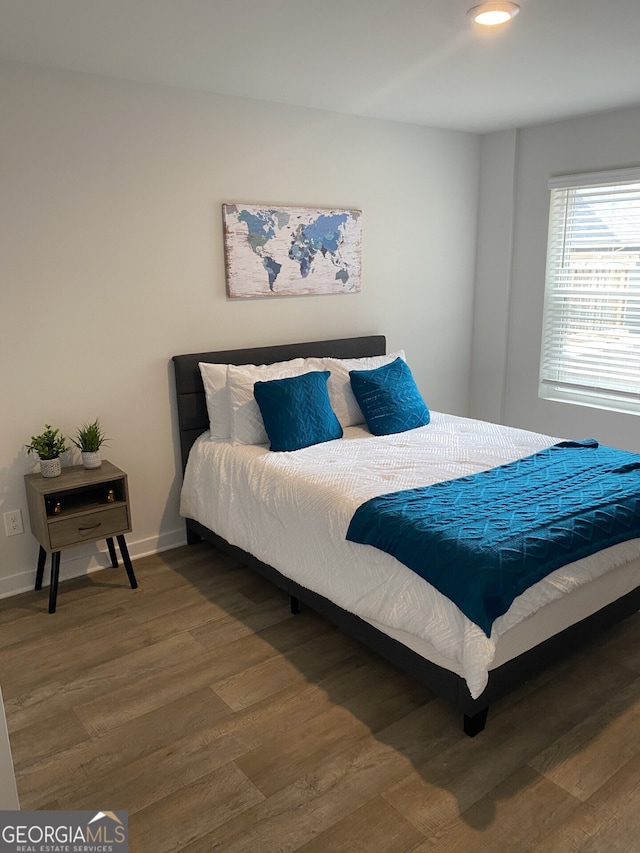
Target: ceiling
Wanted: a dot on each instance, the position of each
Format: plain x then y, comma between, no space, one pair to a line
418,61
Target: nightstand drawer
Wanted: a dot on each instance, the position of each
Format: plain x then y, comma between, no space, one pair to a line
95,525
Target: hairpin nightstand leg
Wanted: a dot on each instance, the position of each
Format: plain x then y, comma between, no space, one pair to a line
127,561
112,553
53,588
42,559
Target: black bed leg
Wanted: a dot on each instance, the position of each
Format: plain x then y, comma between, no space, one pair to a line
192,537
475,724
296,607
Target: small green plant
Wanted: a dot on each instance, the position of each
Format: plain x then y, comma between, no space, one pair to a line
89,437
49,444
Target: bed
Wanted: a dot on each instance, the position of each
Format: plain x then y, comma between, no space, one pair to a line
469,672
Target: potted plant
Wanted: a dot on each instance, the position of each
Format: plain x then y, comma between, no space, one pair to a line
90,438
48,446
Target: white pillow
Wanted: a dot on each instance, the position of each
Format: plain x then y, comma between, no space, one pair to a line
247,426
343,402
214,379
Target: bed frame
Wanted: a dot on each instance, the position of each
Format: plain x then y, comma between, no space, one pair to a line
193,420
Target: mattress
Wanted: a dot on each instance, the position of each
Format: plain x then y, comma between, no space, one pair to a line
292,511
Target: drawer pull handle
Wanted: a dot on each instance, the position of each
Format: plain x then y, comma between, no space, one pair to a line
91,526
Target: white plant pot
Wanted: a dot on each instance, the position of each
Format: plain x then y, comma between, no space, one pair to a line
91,460
50,467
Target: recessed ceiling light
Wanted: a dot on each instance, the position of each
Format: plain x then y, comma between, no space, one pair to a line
492,14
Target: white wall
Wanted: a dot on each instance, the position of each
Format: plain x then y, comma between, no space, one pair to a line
493,275
111,247
605,141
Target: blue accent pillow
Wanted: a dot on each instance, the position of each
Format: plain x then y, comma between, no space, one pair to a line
389,398
296,411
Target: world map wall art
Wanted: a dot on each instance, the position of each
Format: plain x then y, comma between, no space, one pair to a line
291,251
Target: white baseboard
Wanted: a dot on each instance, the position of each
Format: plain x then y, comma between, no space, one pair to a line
83,561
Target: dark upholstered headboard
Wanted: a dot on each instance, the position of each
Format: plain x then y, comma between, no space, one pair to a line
192,409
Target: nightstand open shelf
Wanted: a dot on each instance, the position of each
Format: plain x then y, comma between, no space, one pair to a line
85,499
81,505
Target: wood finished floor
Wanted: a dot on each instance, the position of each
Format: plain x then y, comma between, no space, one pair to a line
223,723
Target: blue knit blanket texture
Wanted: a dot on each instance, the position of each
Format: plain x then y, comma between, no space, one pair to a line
484,539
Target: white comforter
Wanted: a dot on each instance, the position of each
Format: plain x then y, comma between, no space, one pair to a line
292,511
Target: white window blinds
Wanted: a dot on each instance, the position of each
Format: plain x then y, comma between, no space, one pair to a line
591,327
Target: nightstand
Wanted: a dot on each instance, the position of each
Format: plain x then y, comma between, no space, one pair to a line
81,505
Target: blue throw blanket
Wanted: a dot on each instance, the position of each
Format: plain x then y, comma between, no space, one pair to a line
484,539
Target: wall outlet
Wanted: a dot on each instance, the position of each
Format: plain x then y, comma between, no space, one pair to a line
13,522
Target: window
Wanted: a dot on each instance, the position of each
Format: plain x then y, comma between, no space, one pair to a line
591,328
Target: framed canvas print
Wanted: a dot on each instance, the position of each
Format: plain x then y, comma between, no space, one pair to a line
291,251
